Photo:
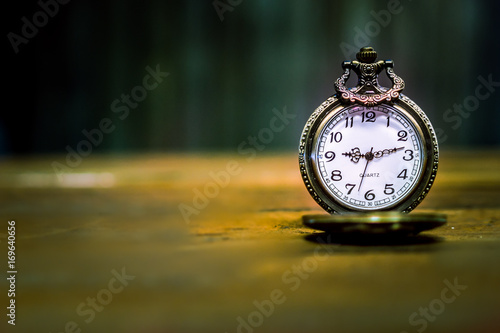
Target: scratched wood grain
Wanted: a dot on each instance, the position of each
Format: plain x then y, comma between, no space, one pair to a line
240,259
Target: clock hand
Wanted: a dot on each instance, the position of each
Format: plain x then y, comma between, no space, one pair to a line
381,153
354,154
369,157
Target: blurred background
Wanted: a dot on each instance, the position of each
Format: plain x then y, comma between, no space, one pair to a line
229,64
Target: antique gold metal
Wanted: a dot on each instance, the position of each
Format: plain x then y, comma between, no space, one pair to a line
370,95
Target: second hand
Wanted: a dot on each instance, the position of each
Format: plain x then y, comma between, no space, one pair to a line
369,157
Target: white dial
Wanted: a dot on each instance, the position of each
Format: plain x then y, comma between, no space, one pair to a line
368,158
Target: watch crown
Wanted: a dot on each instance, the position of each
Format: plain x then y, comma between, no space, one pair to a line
366,55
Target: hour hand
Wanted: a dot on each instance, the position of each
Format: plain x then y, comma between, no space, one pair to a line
354,154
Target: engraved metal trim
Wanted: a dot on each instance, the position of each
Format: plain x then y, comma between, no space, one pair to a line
367,74
368,92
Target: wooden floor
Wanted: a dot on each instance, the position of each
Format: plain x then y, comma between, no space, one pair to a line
133,244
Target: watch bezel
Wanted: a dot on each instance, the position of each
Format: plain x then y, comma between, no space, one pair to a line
330,108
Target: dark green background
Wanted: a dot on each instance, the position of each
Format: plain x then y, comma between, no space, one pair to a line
226,76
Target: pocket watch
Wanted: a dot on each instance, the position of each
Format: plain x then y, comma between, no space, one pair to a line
368,148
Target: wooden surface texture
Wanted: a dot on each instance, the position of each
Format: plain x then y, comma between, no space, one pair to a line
107,248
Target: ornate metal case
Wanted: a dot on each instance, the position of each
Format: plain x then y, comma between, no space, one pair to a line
367,93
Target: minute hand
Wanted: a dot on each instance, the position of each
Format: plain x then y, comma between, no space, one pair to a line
385,152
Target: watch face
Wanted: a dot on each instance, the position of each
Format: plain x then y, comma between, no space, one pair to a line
368,158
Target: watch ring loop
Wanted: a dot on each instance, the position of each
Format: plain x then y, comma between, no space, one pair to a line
367,75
